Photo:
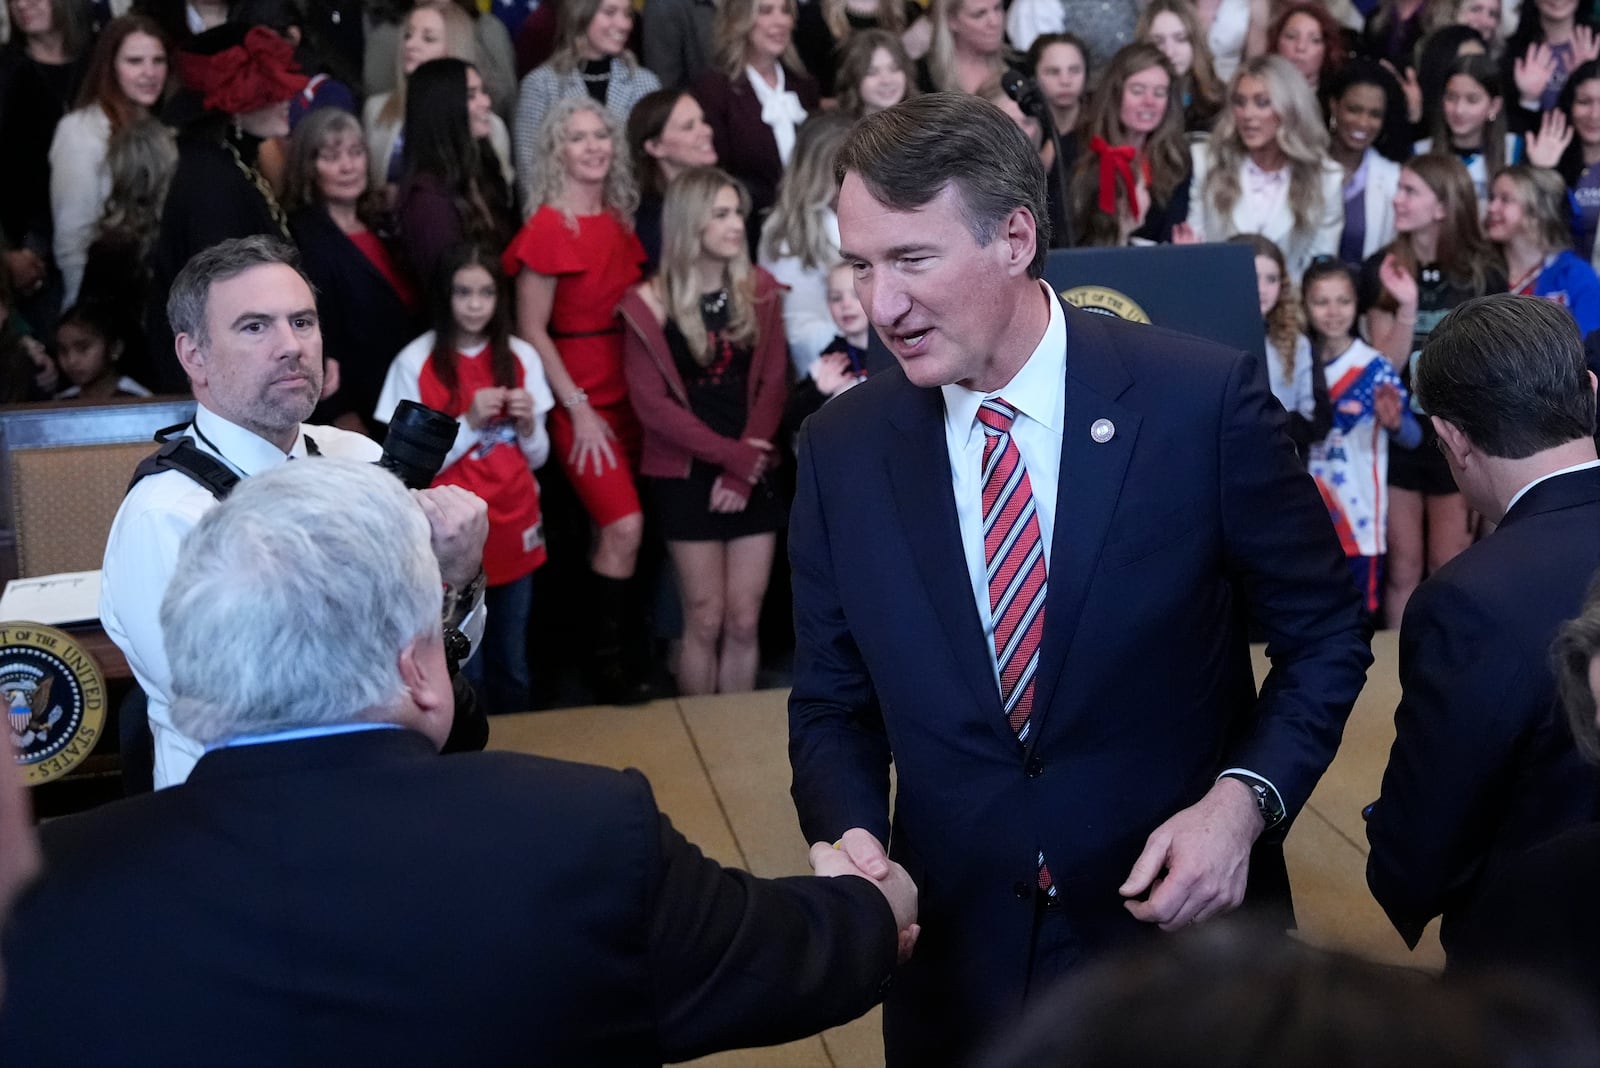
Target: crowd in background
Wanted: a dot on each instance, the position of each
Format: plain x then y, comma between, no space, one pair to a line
626,271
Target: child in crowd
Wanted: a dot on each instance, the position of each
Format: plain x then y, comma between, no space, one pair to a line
1291,367
843,362
470,366
1369,408
87,349
1471,123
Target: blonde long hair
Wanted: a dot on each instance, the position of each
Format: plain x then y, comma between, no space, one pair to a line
891,17
1301,136
459,43
549,179
730,28
942,49
795,227
684,215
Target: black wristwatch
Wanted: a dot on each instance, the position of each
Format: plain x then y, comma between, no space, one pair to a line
1268,803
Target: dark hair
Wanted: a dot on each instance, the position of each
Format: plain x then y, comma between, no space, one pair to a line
1509,371
1228,995
1036,52
1570,166
72,20
855,59
1435,53
1394,136
1575,649
909,153
313,53
645,123
1530,30
1166,150
502,361
1486,72
100,85
1322,268
191,290
439,145
94,317
1333,52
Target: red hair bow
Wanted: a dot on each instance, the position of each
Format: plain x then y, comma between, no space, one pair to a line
1116,165
257,73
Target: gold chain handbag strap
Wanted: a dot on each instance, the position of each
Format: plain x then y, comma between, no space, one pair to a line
260,182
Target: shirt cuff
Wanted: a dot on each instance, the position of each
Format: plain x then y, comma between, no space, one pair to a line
1251,778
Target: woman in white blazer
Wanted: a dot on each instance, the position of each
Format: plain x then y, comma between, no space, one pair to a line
1265,169
1366,117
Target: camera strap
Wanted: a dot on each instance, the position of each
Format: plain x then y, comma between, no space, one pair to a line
178,453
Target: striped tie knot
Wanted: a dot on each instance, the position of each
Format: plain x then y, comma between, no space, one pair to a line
996,416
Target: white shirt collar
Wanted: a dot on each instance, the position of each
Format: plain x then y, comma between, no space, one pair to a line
245,451
1553,474
1036,390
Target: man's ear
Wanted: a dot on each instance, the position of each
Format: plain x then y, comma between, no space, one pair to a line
1456,444
1022,239
191,357
429,703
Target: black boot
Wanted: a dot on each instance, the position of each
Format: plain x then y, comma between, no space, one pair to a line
613,682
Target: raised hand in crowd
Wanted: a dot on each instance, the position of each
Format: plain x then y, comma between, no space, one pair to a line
1585,45
832,373
1533,70
1386,406
1400,283
1546,145
1184,234
1410,87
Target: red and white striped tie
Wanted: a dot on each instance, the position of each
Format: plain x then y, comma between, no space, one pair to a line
1013,551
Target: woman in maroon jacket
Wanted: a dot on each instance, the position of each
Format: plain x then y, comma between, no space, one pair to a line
707,370
755,96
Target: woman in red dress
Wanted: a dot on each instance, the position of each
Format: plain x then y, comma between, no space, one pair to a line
573,260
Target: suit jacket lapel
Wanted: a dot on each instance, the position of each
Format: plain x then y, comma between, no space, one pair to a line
1086,495
919,474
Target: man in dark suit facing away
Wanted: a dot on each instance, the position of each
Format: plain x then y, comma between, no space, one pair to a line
326,888
1024,562
1484,765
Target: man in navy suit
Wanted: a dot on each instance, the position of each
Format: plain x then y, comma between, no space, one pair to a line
327,888
1484,765
1107,773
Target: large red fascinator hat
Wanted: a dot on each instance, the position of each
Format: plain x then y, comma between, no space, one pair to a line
236,69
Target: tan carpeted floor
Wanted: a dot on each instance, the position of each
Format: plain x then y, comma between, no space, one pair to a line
720,770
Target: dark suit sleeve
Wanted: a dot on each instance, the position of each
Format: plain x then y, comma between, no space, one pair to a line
1456,738
838,747
1287,562
740,961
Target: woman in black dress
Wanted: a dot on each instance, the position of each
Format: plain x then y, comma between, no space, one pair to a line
707,370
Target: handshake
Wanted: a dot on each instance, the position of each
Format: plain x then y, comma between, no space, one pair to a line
860,853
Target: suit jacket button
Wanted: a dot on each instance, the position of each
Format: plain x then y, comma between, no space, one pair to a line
1035,768
1022,890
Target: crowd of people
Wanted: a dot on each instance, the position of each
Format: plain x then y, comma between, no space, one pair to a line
1383,166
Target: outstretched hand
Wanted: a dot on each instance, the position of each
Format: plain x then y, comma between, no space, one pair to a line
874,865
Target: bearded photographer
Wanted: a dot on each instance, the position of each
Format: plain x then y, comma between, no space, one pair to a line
247,335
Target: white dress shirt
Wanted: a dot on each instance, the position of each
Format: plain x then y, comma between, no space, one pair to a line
142,554
1038,392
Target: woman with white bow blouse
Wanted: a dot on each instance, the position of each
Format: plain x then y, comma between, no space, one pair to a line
756,96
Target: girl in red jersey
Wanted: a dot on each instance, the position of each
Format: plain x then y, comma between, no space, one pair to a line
471,367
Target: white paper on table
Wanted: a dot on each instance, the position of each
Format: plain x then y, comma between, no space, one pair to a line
55,600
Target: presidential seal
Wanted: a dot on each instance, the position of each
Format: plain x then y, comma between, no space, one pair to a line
1103,301
55,699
